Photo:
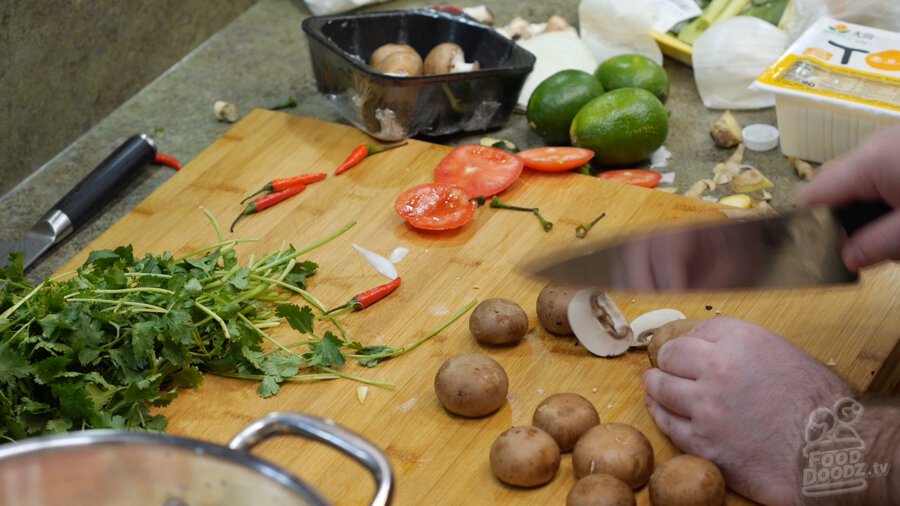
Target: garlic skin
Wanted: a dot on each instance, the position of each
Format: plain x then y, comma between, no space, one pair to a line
729,56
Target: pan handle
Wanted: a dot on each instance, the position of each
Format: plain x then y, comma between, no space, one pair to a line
325,431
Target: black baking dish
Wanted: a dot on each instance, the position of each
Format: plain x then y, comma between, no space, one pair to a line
391,107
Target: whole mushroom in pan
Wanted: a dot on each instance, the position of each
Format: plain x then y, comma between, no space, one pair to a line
448,58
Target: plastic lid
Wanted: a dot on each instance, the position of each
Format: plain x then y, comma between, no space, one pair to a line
760,137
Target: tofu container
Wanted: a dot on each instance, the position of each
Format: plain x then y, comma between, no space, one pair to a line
835,85
391,108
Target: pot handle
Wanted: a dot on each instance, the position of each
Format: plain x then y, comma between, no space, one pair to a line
325,431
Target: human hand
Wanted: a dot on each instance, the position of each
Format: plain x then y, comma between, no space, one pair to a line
739,395
870,172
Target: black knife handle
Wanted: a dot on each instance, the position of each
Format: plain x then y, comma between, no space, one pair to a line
856,216
107,179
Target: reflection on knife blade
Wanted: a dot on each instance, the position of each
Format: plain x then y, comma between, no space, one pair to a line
795,249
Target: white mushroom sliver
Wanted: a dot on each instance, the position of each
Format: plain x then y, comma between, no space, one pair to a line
384,266
598,324
398,254
650,321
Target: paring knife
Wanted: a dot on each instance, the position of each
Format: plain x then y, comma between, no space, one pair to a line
800,248
83,201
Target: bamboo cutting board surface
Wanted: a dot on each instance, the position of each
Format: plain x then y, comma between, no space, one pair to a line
439,458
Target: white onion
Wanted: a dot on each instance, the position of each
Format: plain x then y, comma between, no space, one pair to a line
554,51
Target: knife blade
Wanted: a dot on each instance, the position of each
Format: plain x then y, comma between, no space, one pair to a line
795,249
82,202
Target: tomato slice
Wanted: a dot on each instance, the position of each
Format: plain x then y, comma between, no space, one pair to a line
482,171
639,177
435,206
555,158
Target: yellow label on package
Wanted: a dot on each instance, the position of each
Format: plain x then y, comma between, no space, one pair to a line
838,61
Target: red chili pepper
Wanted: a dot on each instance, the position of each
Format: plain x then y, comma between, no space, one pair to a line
369,297
362,151
268,201
277,185
167,160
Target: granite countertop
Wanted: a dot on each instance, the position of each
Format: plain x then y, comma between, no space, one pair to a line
261,60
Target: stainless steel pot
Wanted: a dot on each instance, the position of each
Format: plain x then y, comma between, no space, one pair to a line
102,467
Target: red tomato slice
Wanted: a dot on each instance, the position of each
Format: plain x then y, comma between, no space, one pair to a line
639,177
435,206
481,171
555,158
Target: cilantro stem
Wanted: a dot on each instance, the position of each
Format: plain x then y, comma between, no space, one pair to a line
149,307
326,240
220,244
145,289
303,293
415,344
215,223
298,378
357,378
215,317
12,309
263,334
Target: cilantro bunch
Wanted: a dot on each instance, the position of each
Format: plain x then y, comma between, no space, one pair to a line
102,347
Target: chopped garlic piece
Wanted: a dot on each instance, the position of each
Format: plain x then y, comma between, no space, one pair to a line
361,394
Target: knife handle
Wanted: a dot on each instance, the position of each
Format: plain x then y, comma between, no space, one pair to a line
856,216
107,179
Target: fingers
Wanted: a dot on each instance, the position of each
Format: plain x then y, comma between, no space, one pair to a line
685,356
868,172
874,243
675,394
677,427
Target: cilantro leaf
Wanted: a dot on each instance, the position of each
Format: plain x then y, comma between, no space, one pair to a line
327,352
300,319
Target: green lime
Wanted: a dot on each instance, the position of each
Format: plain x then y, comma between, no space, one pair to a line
556,100
634,71
621,126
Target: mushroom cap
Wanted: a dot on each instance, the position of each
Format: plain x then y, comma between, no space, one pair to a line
440,59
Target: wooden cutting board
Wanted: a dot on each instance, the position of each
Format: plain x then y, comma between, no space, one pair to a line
439,458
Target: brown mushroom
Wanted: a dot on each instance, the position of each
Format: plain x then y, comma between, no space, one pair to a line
397,59
552,306
617,449
686,480
448,58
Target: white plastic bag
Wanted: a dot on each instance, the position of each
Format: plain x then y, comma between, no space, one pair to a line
322,7
729,56
613,27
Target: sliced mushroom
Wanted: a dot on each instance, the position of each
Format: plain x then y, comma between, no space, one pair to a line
448,58
598,324
644,325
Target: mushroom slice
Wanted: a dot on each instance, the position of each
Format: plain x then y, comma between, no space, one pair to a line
598,324
644,325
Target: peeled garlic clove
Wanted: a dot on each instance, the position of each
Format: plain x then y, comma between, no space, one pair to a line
643,326
598,324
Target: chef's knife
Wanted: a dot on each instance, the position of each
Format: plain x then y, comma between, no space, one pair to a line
799,248
83,201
